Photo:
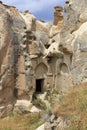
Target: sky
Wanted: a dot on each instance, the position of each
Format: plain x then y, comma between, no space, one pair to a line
42,9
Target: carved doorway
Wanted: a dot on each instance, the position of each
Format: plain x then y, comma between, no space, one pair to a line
39,86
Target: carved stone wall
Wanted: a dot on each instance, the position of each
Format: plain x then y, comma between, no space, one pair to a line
41,71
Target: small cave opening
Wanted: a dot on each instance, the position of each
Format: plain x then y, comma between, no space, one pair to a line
39,86
15,92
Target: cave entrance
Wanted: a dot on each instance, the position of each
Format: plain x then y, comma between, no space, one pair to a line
39,86
15,92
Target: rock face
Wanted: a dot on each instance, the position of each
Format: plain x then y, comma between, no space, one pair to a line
11,29
73,38
12,36
36,56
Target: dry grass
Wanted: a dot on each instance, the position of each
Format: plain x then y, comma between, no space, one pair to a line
21,122
73,107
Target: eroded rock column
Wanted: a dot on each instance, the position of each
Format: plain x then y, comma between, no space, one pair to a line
58,14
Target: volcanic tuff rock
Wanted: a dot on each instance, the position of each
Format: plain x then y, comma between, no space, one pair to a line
36,56
73,38
20,37
11,36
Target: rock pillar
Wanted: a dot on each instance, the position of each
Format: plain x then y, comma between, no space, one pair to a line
58,14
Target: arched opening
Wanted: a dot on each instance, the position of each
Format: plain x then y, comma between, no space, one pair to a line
64,68
41,71
40,74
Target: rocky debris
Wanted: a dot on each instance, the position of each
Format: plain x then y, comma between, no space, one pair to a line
23,104
55,123
34,109
26,106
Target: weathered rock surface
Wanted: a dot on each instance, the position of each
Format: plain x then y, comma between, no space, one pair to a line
35,55
12,35
73,38
26,106
54,123
58,15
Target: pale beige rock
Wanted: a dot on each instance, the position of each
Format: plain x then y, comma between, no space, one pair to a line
53,50
83,16
41,127
58,14
34,109
43,26
25,105
30,20
54,31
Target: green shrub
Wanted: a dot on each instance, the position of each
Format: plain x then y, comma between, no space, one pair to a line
49,112
55,92
39,103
